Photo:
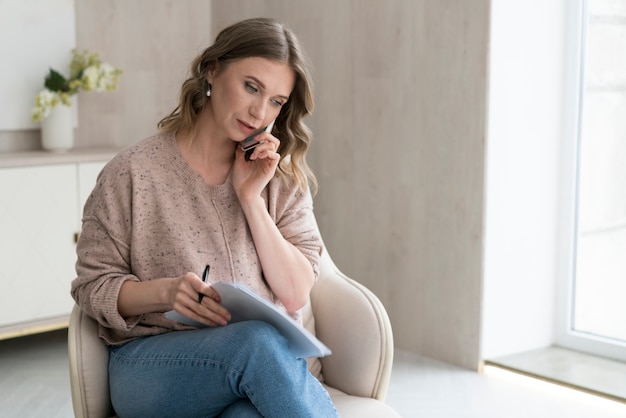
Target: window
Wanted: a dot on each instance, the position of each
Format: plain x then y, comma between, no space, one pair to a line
594,311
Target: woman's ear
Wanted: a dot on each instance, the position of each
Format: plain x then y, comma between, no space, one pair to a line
212,72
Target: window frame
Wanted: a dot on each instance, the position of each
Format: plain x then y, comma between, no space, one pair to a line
574,88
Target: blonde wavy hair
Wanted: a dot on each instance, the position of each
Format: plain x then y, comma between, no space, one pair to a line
265,38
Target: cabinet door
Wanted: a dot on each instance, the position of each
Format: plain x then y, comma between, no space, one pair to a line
38,212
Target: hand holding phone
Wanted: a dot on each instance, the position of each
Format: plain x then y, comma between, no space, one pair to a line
250,143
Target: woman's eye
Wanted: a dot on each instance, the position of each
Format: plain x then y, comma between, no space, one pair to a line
254,89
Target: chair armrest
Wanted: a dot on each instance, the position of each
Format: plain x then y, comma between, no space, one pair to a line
89,362
353,323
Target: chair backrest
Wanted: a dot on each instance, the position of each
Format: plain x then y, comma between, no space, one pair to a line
88,358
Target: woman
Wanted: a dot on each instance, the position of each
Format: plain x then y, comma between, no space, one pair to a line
188,197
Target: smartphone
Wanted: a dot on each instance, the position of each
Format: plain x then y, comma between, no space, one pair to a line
250,143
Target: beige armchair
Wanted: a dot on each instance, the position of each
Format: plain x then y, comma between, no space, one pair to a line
348,318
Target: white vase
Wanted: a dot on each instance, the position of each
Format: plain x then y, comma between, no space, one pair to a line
57,130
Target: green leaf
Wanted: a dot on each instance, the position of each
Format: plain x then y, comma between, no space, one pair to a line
56,82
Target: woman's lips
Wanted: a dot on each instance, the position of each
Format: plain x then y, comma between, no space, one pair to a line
247,129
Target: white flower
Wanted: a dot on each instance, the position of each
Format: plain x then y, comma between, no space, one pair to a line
44,102
109,77
87,72
102,77
90,78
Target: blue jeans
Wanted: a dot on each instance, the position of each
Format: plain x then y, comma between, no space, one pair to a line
242,370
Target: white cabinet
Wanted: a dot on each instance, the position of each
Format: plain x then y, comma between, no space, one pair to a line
40,212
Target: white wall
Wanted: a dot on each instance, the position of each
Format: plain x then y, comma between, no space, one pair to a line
35,35
525,141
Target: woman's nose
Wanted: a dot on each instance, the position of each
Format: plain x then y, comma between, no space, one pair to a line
258,109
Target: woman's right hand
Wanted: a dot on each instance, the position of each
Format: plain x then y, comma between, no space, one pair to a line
184,294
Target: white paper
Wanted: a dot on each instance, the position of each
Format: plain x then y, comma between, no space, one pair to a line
243,305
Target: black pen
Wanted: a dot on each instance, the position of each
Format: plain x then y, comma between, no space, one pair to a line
205,277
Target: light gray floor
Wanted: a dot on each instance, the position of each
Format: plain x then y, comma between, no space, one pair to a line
34,382
422,387
34,377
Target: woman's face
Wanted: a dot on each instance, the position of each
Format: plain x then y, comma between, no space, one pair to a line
248,94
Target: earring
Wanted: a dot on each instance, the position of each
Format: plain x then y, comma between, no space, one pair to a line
208,92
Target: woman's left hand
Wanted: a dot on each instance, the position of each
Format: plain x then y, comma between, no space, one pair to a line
251,177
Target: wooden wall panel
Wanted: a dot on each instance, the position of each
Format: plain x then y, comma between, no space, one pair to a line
153,41
400,129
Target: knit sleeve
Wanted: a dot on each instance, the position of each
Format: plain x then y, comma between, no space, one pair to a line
103,250
292,211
